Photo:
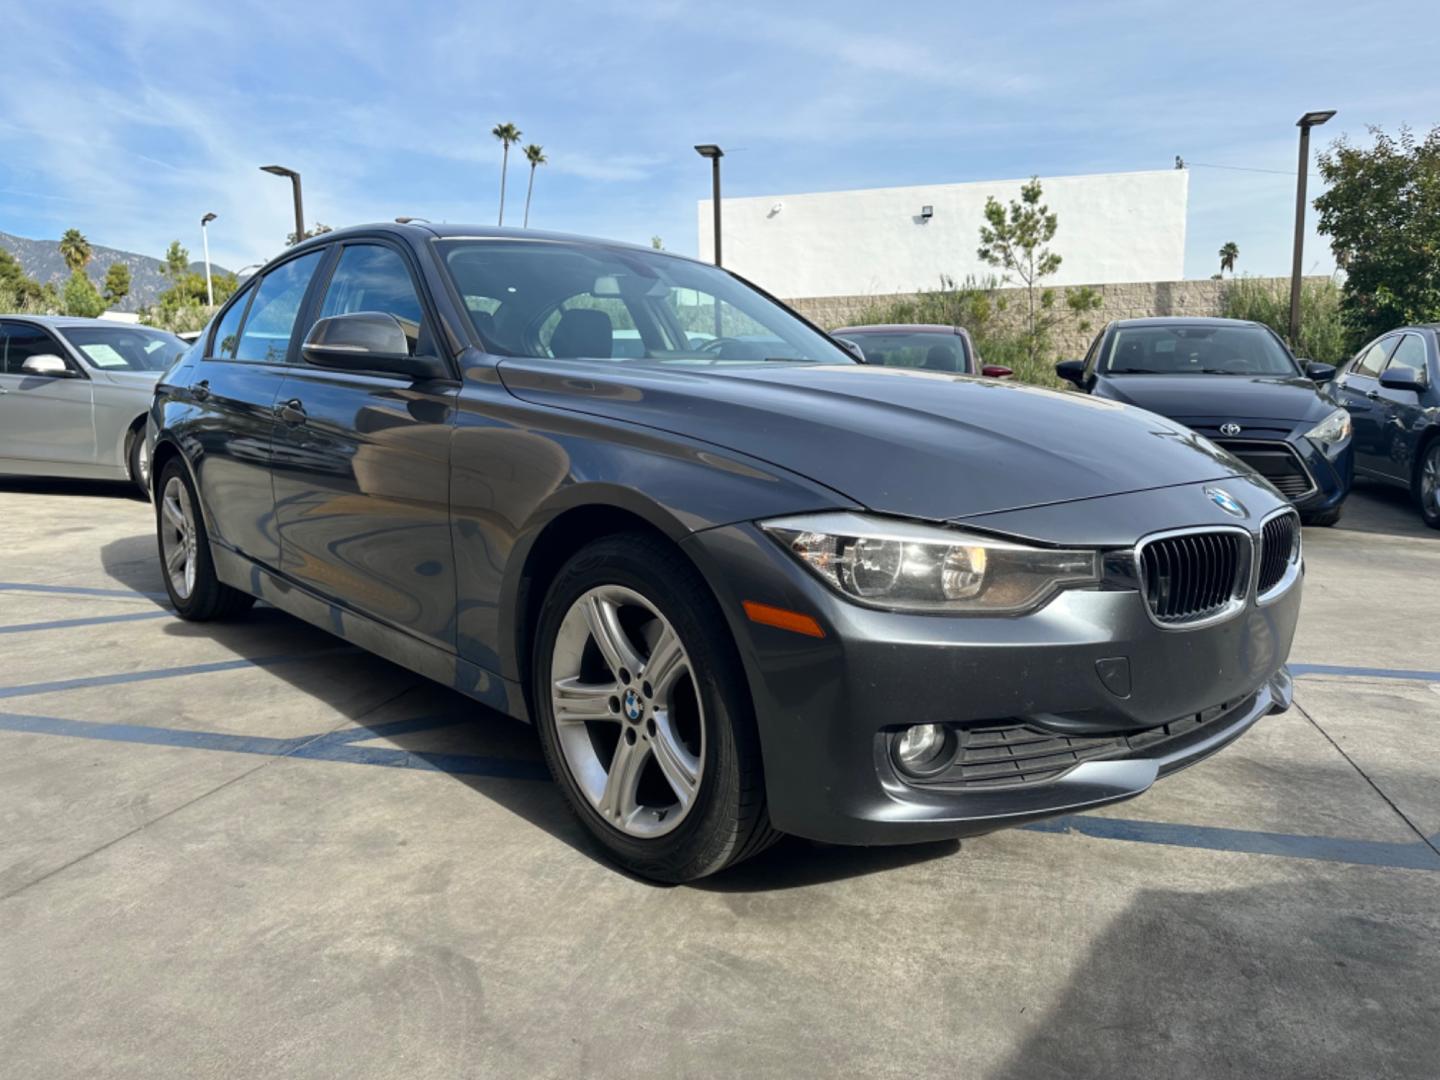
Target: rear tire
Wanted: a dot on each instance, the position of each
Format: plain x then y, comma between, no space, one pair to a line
1323,518
656,747
197,594
1427,484
137,460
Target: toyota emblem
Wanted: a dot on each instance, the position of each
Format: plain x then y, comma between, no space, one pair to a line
1231,429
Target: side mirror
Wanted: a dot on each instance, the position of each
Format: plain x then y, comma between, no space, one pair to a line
852,348
1400,377
367,341
996,371
1072,371
47,366
1318,372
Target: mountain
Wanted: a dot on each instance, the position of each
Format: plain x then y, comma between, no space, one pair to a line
41,260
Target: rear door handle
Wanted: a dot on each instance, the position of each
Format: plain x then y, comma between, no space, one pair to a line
1372,394
292,411
201,390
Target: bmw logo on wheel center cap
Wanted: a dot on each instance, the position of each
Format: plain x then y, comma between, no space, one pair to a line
633,706
1225,501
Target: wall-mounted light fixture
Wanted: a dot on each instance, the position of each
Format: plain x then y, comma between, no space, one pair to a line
926,213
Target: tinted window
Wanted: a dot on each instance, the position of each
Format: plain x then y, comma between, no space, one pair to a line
927,352
552,299
1411,353
227,334
19,342
125,349
1197,350
266,335
374,278
1373,359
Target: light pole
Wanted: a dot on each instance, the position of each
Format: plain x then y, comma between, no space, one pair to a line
205,243
714,153
281,170
1305,123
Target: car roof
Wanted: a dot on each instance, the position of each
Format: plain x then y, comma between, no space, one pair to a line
59,321
431,231
899,328
1184,320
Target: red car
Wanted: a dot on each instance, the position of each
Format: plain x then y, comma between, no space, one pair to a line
922,346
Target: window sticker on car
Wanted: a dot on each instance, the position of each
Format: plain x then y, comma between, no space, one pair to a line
104,356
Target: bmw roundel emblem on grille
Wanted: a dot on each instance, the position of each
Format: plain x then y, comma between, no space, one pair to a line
1225,501
1231,429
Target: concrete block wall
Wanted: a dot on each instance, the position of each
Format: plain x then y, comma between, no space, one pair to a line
1125,300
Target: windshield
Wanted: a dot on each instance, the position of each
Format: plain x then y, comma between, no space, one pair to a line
1196,350
552,299
926,350
123,348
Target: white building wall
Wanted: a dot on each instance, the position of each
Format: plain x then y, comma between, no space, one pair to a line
1115,227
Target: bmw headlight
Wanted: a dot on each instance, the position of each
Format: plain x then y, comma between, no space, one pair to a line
916,567
1333,429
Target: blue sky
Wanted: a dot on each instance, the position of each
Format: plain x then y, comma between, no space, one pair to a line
130,120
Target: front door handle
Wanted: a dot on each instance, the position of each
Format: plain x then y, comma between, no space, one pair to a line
1372,394
292,411
201,390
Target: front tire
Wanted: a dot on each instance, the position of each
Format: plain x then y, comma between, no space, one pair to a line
1427,484
197,594
644,714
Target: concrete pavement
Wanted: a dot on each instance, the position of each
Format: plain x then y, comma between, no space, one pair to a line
247,850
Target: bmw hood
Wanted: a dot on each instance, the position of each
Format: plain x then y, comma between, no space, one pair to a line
1192,397
918,444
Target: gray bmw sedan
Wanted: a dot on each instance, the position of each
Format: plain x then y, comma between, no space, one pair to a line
741,584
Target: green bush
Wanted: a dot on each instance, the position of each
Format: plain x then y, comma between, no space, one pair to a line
1323,334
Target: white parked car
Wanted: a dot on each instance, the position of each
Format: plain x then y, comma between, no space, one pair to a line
74,394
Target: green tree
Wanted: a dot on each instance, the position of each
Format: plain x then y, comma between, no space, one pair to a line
535,155
508,134
75,249
1382,214
117,283
657,243
18,290
1228,254
177,261
80,297
1015,241
291,239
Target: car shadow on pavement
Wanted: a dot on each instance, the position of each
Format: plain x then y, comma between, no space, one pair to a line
1380,508
44,485
496,756
1302,978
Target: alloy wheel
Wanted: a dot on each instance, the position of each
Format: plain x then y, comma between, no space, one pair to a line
1430,481
177,537
628,715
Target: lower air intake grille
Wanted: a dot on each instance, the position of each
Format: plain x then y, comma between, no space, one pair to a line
1192,576
1279,549
1276,462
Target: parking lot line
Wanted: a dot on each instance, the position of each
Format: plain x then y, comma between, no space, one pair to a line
61,685
1364,672
94,620
341,746
80,590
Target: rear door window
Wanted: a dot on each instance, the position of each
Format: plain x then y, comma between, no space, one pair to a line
227,334
265,337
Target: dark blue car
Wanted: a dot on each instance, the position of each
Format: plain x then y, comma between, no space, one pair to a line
1236,383
1392,392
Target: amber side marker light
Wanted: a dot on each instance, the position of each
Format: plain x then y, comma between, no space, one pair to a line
783,618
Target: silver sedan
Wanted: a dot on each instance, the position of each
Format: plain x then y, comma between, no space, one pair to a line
74,394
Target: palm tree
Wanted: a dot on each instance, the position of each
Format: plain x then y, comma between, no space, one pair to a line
536,156
507,134
74,249
1228,254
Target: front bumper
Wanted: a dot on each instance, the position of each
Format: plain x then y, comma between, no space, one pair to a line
829,708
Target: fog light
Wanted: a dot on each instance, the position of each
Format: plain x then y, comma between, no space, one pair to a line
919,747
